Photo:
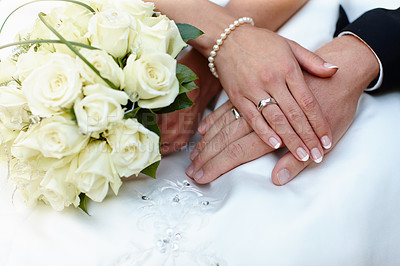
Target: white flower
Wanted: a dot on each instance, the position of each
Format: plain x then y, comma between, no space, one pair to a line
113,31
105,64
56,190
8,70
153,77
13,108
136,8
31,61
95,171
54,137
134,147
53,86
99,109
162,34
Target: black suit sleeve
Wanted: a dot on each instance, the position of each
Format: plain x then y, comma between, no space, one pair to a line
380,28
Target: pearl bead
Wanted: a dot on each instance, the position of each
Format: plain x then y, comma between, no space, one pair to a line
219,42
227,31
223,36
211,59
213,53
211,65
216,47
236,23
232,27
241,20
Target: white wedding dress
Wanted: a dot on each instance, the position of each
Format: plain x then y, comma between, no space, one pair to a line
345,211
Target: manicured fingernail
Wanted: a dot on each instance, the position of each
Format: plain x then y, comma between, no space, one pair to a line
326,142
316,155
190,170
303,155
202,128
330,66
283,176
274,142
198,175
194,154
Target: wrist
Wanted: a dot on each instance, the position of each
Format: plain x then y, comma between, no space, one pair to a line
358,65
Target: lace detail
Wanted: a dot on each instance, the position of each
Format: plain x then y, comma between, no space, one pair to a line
172,216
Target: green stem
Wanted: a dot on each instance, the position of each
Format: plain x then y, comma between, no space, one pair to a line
32,2
73,49
47,41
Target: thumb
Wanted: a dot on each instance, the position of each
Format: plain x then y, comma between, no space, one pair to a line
287,168
311,62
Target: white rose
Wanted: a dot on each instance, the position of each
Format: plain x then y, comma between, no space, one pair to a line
13,107
99,109
56,190
113,31
28,62
76,14
95,171
105,64
53,86
72,33
134,147
54,137
99,5
153,77
8,70
7,138
136,8
162,34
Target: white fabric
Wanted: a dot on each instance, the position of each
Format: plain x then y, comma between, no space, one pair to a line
345,211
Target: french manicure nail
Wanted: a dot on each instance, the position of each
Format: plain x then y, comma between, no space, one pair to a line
316,155
326,142
330,66
283,176
194,154
202,127
274,142
198,175
302,154
190,170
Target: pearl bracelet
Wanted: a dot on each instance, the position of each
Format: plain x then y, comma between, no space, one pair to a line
224,35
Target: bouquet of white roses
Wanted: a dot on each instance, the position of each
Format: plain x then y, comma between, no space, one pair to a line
79,97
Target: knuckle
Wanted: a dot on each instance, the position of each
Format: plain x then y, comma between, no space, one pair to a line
294,115
267,76
309,103
236,151
276,119
223,137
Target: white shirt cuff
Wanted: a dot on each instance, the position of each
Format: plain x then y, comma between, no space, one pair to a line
380,79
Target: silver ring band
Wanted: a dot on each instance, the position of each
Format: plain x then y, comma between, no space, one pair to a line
235,113
265,102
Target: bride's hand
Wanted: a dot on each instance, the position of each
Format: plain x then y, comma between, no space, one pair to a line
255,64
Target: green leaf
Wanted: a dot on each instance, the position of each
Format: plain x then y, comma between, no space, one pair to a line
32,2
149,120
132,114
181,102
73,49
188,32
83,203
186,78
151,170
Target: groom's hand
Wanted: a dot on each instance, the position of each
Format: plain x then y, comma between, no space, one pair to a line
229,142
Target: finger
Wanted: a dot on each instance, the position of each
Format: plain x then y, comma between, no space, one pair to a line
221,141
241,151
300,124
254,118
286,169
225,130
207,123
311,108
311,62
